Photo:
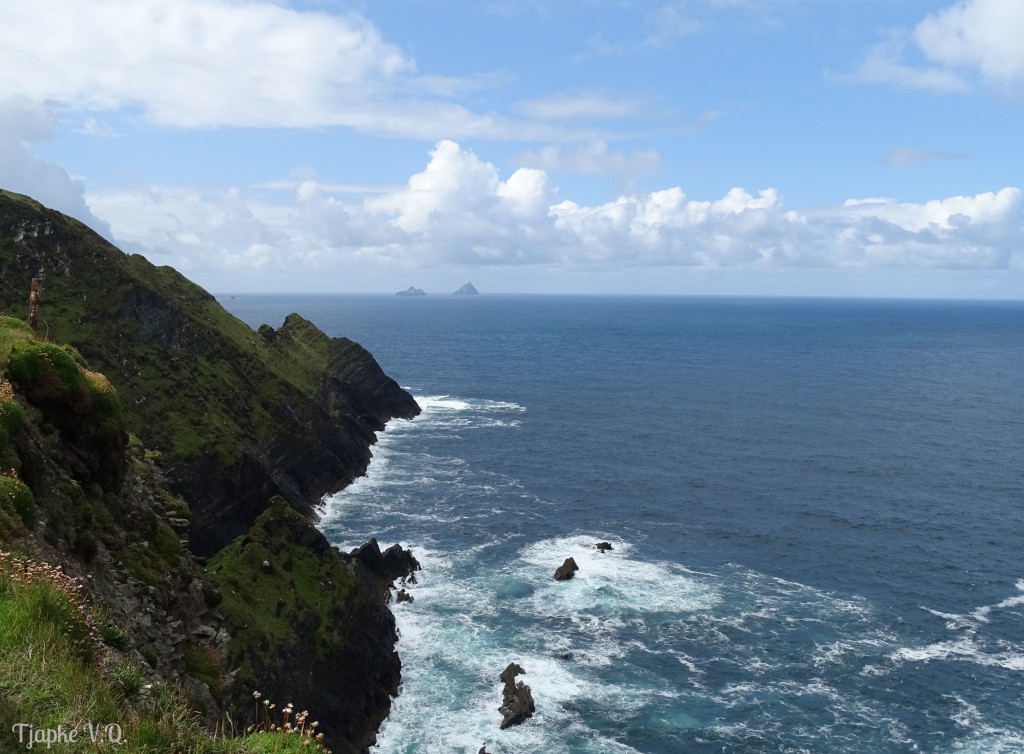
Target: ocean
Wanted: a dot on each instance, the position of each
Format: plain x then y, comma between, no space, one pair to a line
816,508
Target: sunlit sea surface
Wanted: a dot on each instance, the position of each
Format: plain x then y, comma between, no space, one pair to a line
816,508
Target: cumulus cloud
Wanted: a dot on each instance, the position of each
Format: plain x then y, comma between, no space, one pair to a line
459,210
22,123
984,35
969,41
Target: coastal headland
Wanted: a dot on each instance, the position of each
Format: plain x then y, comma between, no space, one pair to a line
172,459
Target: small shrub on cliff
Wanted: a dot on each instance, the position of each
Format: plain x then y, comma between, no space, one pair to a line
12,417
113,636
15,496
51,375
204,663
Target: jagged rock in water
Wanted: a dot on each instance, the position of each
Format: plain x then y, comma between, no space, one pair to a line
467,290
403,596
412,291
603,546
517,700
392,564
567,570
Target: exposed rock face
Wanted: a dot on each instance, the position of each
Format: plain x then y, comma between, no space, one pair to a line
603,546
412,291
313,627
517,699
120,530
325,446
467,290
567,570
388,566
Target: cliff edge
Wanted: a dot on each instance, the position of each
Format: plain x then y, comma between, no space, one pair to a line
240,416
173,458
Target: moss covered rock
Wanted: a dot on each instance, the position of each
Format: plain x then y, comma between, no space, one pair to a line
306,626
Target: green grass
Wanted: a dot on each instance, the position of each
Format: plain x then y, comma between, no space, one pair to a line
264,606
49,677
57,376
16,497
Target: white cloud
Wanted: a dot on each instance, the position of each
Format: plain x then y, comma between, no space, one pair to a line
883,65
97,129
964,42
978,34
667,24
577,106
904,156
193,62
199,63
22,123
991,208
593,158
459,211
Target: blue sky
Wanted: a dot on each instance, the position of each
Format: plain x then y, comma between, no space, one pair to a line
795,147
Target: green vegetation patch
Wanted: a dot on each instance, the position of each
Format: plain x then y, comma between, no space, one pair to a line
277,590
17,497
49,678
53,375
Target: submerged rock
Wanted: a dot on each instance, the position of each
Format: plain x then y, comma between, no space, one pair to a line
567,570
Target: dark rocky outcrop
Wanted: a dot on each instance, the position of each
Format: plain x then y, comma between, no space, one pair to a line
603,546
567,570
516,698
313,627
389,566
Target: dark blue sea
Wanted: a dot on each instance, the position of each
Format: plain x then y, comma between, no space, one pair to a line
816,509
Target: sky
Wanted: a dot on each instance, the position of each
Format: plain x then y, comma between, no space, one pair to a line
738,147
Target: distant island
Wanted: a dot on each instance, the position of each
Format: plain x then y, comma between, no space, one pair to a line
412,291
467,290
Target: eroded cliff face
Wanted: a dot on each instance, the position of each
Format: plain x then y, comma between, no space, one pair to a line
309,625
240,416
91,500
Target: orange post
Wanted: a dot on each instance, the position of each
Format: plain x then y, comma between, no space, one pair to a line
33,303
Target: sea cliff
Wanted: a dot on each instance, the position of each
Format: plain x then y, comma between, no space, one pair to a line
176,458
